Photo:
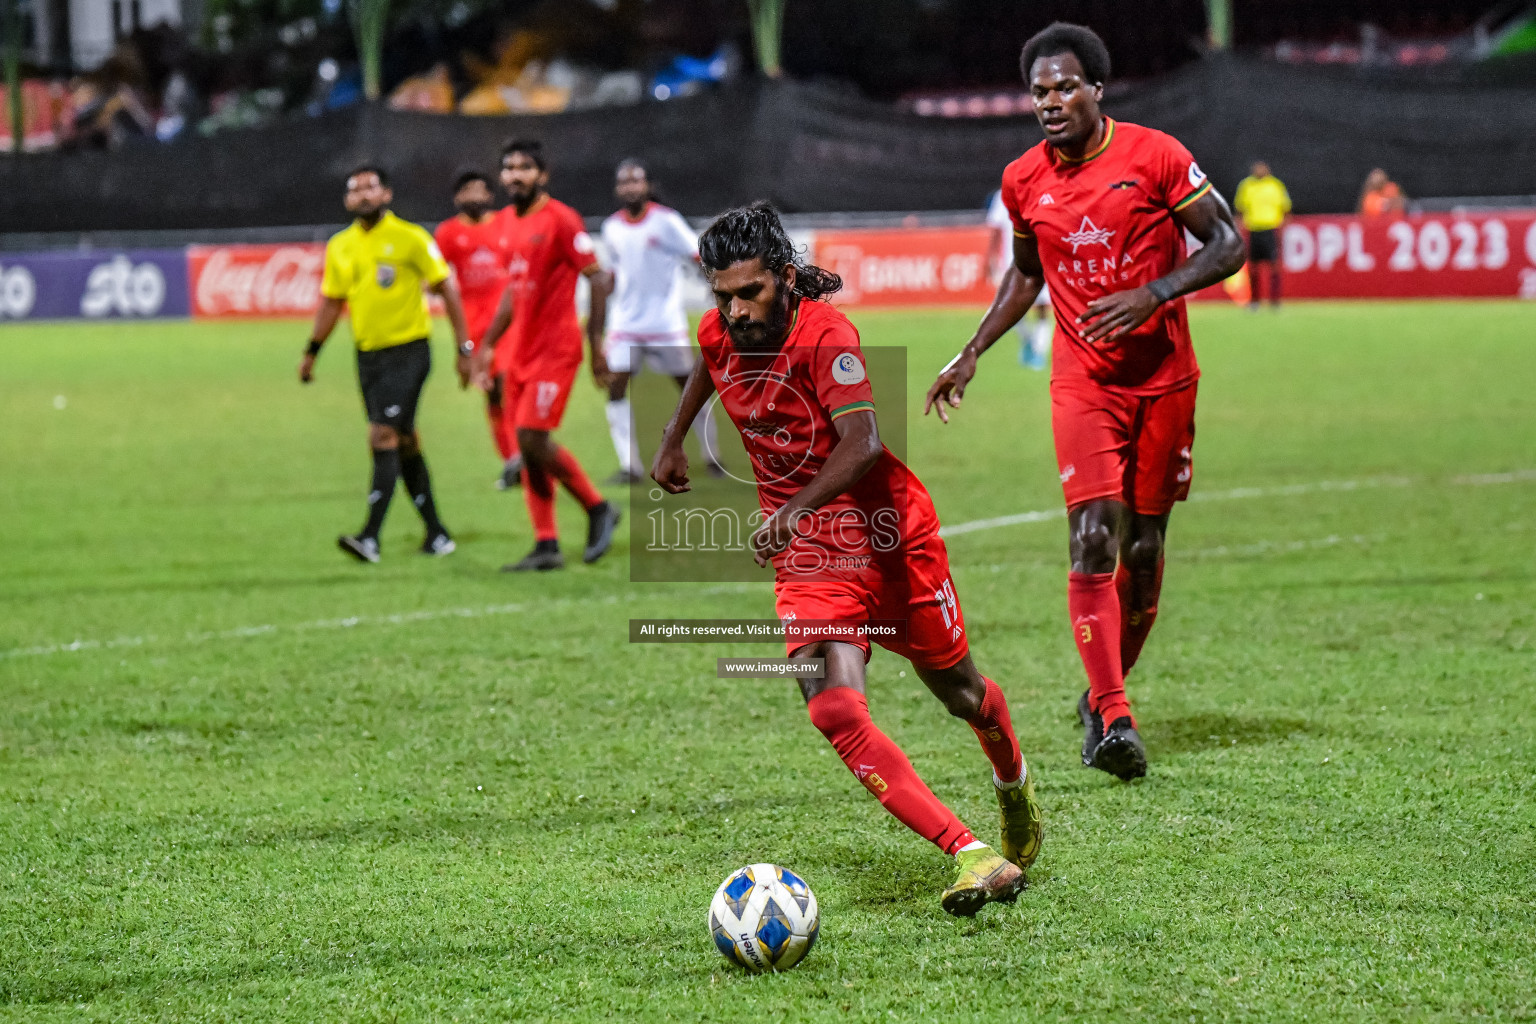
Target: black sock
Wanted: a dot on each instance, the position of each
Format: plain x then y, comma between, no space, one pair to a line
386,470
413,470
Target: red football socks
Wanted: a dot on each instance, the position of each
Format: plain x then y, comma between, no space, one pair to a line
1138,610
995,731
1094,605
842,715
575,479
539,494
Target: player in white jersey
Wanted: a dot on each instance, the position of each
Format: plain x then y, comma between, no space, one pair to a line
650,246
1034,342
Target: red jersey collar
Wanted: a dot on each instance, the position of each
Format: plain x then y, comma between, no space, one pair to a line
1109,136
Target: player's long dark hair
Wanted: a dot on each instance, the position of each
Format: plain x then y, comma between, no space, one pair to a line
755,232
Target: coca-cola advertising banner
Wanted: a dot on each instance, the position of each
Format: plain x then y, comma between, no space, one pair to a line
1430,256
255,280
908,266
133,283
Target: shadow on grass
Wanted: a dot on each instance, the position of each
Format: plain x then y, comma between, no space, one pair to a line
1212,730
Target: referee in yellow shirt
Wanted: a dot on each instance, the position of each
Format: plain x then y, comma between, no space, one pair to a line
1263,202
378,268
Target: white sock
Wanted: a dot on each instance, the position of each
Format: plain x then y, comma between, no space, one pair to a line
708,433
621,430
975,844
1015,784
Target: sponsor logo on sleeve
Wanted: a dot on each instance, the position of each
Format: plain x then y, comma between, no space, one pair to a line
846,369
583,244
1196,175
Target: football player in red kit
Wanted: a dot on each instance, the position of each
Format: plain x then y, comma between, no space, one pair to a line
547,247
1099,212
851,534
471,243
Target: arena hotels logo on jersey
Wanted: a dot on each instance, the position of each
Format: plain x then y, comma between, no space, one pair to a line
1098,270
768,442
1088,233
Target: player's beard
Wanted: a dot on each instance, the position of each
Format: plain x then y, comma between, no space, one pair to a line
523,198
763,335
474,211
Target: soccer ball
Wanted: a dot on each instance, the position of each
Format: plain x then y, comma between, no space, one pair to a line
764,918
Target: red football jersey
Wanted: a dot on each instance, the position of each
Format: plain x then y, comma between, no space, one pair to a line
546,249
475,253
784,403
1105,224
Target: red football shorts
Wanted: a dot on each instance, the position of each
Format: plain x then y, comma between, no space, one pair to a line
926,603
535,398
1129,448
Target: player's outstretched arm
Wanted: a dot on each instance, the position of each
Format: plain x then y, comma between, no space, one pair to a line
480,365
858,449
1020,287
670,467
597,320
1208,219
454,306
325,322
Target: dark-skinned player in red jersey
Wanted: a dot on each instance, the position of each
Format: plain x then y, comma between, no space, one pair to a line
1099,212
470,241
547,248
851,534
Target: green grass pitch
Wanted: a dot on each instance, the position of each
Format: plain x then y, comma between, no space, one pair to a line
244,779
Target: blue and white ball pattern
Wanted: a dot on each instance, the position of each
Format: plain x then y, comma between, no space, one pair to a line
764,918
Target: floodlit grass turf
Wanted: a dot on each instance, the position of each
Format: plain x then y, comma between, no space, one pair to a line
273,785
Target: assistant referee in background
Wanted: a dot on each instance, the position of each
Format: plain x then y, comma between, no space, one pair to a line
378,268
1263,203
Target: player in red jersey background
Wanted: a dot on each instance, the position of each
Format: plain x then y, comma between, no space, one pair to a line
851,533
547,248
1099,212
471,243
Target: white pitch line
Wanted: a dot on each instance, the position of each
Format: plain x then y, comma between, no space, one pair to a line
1242,493
396,619
973,526
1265,547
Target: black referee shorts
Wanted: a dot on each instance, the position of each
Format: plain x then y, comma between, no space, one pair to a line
1263,246
391,380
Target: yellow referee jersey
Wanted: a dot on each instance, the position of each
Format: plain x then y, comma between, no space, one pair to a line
380,273
1263,202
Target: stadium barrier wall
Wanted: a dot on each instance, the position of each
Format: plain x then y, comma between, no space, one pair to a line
255,280
1449,255
98,285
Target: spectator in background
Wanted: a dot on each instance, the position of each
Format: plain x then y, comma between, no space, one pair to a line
1263,204
1381,197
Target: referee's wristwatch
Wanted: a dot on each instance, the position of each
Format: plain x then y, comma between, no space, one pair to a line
467,348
